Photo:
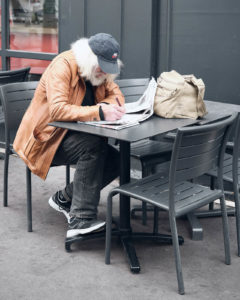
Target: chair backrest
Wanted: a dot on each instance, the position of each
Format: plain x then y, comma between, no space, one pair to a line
198,149
15,98
19,75
132,89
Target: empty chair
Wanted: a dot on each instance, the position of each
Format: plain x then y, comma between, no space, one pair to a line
6,77
196,150
148,152
231,178
19,75
16,98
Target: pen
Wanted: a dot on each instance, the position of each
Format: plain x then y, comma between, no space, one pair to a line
118,102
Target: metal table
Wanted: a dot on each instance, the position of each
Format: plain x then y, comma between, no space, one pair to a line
149,128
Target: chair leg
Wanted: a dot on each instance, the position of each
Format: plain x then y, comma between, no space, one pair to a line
155,220
212,187
237,211
146,171
177,254
67,174
29,198
225,231
5,181
144,213
108,230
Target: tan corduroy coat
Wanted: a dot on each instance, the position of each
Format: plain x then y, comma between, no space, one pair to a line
58,97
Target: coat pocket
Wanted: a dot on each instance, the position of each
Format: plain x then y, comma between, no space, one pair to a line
33,149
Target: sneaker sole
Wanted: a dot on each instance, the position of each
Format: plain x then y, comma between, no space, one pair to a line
75,232
56,207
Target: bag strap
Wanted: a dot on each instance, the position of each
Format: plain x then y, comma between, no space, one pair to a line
199,84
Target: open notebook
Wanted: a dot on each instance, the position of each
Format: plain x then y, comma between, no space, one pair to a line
136,112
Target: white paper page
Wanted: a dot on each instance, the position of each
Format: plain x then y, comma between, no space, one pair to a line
146,100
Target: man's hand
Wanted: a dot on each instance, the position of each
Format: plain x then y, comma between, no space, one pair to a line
112,112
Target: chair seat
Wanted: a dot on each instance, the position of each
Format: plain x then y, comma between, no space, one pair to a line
155,190
170,135
227,169
150,149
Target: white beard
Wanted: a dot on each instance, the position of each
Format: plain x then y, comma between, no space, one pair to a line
96,81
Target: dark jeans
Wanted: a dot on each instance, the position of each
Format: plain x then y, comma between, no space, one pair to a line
97,164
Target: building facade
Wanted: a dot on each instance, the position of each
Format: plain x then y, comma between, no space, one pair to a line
190,36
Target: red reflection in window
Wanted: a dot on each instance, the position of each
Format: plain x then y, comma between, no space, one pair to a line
37,66
34,42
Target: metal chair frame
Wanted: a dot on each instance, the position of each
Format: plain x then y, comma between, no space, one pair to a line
149,152
16,98
11,76
231,179
6,77
196,150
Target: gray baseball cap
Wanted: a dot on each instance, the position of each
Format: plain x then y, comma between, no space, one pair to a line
107,49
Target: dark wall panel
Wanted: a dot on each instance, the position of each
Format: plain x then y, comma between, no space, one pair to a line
129,21
192,36
136,38
103,16
205,40
71,22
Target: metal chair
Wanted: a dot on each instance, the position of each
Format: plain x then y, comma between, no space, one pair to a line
11,76
231,180
196,150
148,152
16,98
6,77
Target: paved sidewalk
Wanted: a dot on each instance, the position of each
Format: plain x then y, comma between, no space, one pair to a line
35,266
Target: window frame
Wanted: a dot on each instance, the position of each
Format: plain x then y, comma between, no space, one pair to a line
6,53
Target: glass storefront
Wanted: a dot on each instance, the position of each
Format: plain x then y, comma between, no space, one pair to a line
37,66
34,25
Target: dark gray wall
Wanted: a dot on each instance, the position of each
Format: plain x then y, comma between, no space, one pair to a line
191,36
129,21
205,40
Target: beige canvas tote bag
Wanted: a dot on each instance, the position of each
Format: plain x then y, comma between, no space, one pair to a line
179,96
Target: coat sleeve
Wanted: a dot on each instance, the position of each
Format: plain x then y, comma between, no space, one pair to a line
58,86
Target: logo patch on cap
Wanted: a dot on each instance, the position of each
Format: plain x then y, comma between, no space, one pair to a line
114,55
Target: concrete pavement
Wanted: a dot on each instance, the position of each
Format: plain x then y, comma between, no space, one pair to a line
35,265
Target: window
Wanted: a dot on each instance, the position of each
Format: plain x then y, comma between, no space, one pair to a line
37,66
33,34
34,25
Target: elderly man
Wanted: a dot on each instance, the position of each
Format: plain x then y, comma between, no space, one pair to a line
77,86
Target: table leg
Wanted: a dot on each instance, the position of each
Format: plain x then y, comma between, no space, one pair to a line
193,219
127,236
131,254
196,228
124,228
124,209
89,236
